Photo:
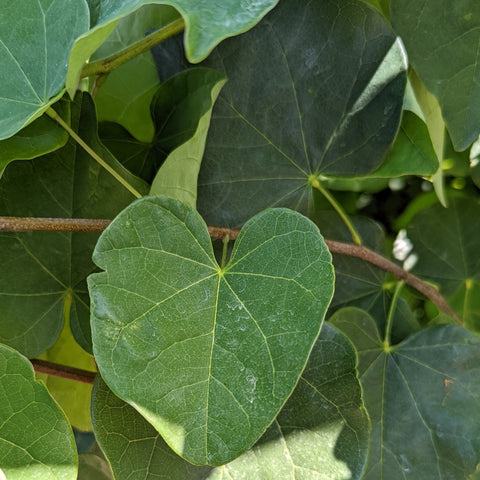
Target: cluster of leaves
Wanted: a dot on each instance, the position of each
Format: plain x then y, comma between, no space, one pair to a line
217,362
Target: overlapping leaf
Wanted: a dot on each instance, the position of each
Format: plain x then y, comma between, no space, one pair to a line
180,110
205,25
125,95
444,51
207,354
36,440
34,49
40,137
447,243
316,88
423,398
322,431
42,271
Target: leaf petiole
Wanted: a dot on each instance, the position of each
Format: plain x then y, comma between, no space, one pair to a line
55,116
225,241
391,314
315,183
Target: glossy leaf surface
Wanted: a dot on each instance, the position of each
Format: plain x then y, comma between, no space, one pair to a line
315,88
36,440
44,269
433,232
34,56
443,49
207,354
423,398
322,431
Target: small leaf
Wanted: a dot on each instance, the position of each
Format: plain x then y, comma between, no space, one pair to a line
34,49
36,440
46,269
412,152
423,398
322,430
316,89
443,49
226,345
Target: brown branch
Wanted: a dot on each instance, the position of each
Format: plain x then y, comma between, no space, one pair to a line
62,371
14,224
376,259
30,224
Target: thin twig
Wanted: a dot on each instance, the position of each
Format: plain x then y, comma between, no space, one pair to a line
95,225
62,371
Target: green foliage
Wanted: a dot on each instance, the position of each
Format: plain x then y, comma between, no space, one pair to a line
277,351
210,379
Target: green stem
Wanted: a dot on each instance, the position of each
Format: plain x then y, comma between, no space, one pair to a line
110,63
391,314
225,241
339,209
54,115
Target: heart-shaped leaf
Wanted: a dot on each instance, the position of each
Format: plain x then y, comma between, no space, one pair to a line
36,440
322,429
34,50
423,397
444,52
315,89
207,354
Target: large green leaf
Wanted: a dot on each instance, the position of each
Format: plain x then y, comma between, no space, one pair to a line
125,95
44,270
225,345
423,398
36,440
206,25
447,243
315,89
34,49
322,431
442,38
